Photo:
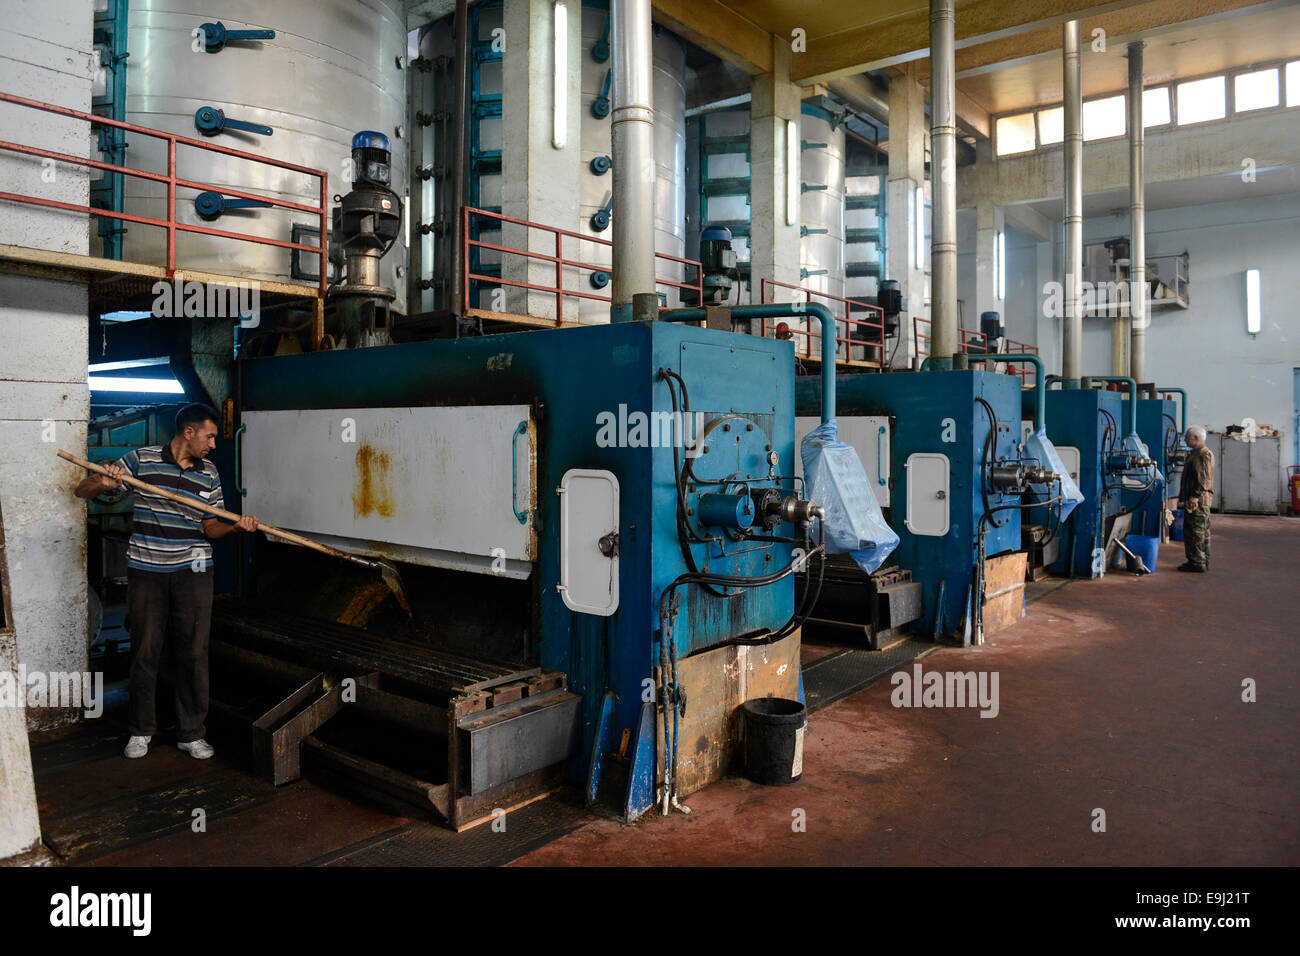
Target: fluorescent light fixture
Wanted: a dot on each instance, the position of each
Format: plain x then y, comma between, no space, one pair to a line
132,363
1253,320
792,192
103,383
1000,265
560,108
919,215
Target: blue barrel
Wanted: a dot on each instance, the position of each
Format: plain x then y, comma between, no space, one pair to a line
1176,529
1145,547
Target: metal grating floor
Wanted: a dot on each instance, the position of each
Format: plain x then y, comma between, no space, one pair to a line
836,676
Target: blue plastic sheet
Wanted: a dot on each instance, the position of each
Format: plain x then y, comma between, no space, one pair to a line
1039,446
836,481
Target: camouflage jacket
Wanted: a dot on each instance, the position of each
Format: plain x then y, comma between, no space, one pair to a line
1198,475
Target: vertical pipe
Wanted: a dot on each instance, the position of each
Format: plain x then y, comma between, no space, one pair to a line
632,127
452,215
1138,216
1072,340
943,164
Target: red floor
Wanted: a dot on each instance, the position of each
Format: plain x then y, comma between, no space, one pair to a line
1122,695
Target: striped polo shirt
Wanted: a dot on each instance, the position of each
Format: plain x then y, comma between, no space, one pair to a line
166,535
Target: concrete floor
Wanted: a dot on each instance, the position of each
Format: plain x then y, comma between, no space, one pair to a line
1122,694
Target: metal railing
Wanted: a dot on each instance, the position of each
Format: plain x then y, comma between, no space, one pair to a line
173,181
468,276
836,303
972,343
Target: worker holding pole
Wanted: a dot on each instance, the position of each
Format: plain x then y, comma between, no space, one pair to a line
169,572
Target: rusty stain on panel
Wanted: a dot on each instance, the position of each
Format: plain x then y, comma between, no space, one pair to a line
372,491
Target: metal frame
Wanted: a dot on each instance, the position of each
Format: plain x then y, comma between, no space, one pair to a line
968,338
469,276
172,181
847,319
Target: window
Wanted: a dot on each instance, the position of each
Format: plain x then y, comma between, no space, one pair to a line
1051,126
1155,107
1015,134
1202,100
1293,83
1255,91
1103,119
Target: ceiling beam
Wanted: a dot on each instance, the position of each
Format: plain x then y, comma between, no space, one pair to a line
888,40
719,30
1117,24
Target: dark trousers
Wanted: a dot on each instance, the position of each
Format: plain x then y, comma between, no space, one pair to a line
1196,533
175,606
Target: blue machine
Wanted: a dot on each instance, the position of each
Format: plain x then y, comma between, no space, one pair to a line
1157,425
706,520
956,478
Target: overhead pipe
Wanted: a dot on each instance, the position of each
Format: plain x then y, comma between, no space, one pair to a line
1137,270
1072,341
783,310
1182,409
1040,382
632,129
944,320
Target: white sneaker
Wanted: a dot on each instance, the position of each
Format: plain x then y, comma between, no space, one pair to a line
136,747
198,749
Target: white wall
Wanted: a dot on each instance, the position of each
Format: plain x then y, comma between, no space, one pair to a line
1229,374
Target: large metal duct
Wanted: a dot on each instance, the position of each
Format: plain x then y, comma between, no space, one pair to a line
943,150
1072,342
334,68
1138,216
632,130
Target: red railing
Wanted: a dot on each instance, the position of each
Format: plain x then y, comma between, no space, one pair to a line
972,343
173,181
468,276
876,340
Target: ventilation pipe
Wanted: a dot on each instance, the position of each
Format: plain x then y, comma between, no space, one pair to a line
1137,271
943,164
632,126
1072,342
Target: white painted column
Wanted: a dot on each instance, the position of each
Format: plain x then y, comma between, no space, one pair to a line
989,224
907,139
539,182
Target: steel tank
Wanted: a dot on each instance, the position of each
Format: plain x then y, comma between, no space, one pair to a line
821,206
596,189
335,67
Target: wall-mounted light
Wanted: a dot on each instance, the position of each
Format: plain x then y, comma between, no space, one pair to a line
1000,265
560,108
1253,319
792,192
918,203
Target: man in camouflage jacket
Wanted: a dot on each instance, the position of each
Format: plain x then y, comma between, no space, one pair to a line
1194,495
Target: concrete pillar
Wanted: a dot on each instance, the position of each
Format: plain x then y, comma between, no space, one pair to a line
44,401
907,139
989,223
539,182
774,243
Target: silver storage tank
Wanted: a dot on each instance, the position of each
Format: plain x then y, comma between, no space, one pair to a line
821,207
670,161
335,67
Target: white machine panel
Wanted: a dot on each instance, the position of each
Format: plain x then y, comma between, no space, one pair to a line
1070,459
588,514
451,487
928,493
869,436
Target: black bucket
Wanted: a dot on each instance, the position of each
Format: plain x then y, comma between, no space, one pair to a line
774,740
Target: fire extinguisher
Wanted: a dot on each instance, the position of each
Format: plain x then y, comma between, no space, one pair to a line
1293,482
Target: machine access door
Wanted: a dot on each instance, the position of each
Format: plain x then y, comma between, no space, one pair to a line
451,487
869,437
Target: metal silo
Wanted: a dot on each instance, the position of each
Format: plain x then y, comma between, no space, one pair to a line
334,67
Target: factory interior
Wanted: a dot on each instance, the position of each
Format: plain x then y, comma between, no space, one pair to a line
666,433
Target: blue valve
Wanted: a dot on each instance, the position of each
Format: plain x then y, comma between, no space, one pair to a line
600,221
210,121
210,205
600,49
215,36
601,165
600,105
600,279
